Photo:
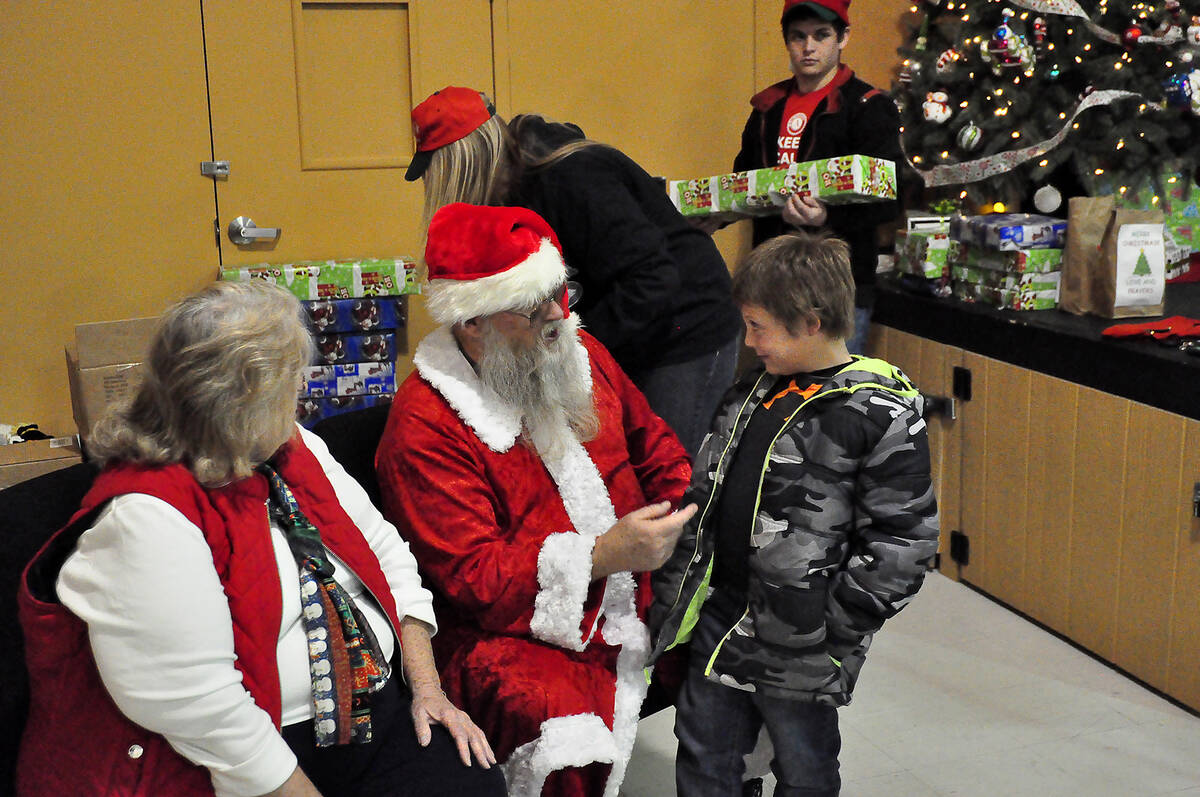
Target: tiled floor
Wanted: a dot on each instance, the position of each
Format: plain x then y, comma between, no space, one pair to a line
960,696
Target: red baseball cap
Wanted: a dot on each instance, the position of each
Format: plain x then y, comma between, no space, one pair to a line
443,118
828,10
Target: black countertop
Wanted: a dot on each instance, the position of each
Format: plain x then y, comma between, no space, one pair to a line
1058,343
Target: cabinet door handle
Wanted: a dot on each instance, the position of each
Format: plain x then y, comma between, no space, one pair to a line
945,406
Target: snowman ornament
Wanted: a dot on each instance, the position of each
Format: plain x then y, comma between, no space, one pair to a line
936,107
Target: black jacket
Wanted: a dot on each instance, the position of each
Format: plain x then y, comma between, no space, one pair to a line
854,119
655,289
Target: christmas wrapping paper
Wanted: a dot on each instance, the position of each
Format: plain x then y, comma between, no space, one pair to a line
924,253
367,314
355,348
349,379
335,279
1008,231
1012,260
1031,282
1006,298
310,409
845,179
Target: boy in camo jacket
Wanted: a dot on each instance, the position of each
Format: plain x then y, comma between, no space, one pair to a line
818,522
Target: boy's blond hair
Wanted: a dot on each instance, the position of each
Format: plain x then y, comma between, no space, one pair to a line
799,276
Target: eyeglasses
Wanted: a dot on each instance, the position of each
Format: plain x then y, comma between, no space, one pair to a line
566,295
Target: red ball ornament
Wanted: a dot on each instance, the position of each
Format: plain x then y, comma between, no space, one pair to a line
1132,34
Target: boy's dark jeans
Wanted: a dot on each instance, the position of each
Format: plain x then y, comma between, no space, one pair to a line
716,725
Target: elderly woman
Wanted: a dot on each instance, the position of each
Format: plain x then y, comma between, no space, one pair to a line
655,290
227,613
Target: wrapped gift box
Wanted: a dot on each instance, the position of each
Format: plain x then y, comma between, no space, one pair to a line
367,314
1011,260
1030,281
924,253
335,279
352,348
1008,231
311,409
349,379
1006,298
844,179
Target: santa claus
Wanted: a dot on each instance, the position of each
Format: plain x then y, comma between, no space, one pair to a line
508,457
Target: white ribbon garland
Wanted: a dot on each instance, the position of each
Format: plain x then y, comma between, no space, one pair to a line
1069,8
983,168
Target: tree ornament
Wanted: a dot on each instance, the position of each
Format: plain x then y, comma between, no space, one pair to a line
1131,36
1177,91
1039,32
1193,79
936,107
946,62
1047,199
1007,49
1173,8
969,137
1193,32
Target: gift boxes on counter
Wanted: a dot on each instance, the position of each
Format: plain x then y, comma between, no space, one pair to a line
758,192
1023,279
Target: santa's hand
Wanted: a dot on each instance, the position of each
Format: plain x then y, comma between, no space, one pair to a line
430,706
804,211
642,540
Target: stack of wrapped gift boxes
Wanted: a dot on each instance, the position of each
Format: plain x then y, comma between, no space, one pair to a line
759,192
923,249
358,311
1011,261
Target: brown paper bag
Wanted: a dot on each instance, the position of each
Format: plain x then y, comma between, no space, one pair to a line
1114,264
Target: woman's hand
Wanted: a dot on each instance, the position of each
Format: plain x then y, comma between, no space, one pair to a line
430,706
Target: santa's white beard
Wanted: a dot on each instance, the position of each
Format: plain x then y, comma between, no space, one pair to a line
545,381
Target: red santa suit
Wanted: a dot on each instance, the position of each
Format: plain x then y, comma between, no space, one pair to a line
549,663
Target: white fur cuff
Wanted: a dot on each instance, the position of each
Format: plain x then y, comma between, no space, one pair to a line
573,741
564,574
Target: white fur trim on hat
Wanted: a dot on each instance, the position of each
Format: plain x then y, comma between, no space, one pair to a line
530,281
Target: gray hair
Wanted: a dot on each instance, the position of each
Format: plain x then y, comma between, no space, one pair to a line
220,384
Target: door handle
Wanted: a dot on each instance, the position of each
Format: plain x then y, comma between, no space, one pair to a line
242,230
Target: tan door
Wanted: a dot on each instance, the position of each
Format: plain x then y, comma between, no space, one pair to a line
310,106
104,213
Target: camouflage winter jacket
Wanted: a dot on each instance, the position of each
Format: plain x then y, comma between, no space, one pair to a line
845,527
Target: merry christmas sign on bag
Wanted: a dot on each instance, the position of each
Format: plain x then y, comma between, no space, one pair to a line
1115,261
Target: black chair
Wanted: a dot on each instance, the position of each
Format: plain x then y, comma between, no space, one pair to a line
30,512
352,438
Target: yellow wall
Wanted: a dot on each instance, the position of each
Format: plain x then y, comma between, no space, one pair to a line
104,214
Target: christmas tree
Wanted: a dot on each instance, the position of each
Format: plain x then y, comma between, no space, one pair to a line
1032,101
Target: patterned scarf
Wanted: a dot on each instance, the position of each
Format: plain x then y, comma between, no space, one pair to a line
343,654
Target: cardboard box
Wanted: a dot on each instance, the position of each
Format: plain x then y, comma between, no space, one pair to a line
335,279
22,461
104,366
758,192
1010,231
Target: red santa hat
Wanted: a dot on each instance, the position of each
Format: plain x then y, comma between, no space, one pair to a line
484,260
828,10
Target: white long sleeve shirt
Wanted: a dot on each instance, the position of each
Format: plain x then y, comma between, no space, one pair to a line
143,580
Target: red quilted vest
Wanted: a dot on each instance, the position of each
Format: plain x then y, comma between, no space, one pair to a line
76,741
